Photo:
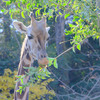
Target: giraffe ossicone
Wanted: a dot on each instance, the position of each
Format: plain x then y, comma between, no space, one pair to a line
33,48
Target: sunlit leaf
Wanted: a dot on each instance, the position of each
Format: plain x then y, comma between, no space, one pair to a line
22,14
19,5
60,13
18,76
20,87
73,49
55,63
22,80
8,2
66,15
11,15
50,61
20,91
79,47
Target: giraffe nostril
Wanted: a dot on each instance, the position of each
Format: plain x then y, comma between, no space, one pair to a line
44,56
41,56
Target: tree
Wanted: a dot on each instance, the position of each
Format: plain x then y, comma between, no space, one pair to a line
85,18
81,14
98,15
6,23
6,26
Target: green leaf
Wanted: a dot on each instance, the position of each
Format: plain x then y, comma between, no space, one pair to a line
73,49
20,87
38,11
56,18
68,32
43,78
39,76
22,80
20,91
50,61
64,4
3,10
19,5
79,47
8,2
55,63
28,5
76,17
26,67
22,14
71,25
66,15
11,15
18,76
60,13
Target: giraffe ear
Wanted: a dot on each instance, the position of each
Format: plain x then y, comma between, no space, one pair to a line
47,28
20,26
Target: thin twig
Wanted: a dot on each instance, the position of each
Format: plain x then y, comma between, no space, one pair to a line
63,52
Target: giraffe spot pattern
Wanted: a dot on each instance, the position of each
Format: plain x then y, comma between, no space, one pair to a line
28,57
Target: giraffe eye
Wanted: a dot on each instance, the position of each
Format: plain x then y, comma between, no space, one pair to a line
31,37
48,39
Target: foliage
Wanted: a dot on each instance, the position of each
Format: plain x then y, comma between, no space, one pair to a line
80,32
84,12
35,74
7,85
53,61
84,18
38,5
40,90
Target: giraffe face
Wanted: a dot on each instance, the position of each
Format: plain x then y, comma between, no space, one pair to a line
37,35
38,38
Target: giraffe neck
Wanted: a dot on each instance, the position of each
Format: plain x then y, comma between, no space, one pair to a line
26,59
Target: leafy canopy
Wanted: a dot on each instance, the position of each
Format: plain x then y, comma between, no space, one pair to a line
84,15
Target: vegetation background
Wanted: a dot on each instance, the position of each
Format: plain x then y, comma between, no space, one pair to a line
74,40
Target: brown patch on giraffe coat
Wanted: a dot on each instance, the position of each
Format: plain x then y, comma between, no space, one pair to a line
24,65
29,48
39,48
21,70
35,41
24,53
28,57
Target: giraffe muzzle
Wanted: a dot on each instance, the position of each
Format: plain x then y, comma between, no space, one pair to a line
43,61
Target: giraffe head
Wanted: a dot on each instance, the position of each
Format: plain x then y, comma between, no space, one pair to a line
37,35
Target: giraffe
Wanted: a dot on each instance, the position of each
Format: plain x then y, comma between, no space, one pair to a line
33,48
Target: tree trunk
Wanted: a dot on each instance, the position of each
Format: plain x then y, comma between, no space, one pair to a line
60,37
6,26
60,47
98,15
